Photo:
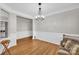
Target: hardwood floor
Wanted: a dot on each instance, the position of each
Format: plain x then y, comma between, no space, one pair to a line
28,46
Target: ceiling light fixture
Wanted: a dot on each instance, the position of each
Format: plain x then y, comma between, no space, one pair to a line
39,17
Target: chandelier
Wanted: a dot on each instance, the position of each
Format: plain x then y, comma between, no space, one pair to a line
39,17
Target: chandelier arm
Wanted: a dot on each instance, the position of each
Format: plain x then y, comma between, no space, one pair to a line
39,17
39,11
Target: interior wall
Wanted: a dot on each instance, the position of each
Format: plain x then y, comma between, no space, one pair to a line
24,27
65,22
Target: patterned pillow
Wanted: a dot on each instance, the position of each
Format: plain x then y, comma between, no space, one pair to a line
75,49
68,45
71,44
70,41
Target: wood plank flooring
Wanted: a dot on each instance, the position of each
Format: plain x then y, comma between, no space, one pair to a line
28,46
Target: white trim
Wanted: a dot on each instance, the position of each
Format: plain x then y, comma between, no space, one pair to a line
65,10
33,29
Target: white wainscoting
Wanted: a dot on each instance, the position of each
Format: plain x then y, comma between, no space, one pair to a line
24,34
52,37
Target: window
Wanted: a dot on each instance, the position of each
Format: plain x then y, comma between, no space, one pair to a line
3,24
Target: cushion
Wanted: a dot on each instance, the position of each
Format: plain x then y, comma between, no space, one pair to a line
75,49
70,43
63,52
67,43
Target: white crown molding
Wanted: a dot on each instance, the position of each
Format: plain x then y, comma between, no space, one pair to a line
65,10
8,9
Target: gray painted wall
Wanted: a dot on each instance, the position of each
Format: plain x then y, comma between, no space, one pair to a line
24,24
66,22
24,27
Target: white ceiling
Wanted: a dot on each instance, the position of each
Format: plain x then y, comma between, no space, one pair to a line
47,8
